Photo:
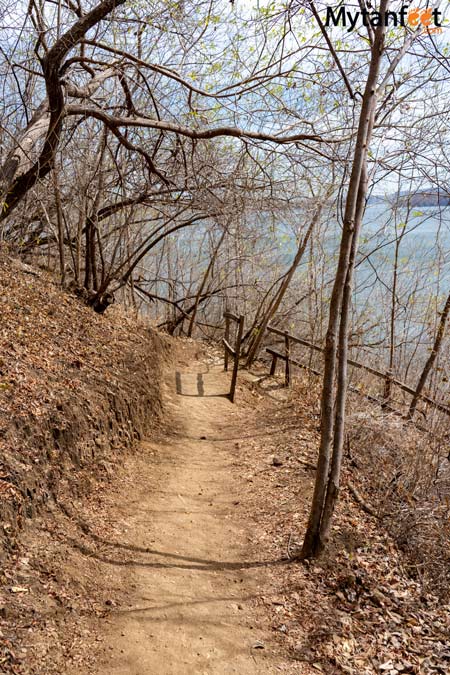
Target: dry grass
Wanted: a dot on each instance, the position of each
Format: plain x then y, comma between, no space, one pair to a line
405,474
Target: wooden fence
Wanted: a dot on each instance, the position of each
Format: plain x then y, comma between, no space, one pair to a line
386,377
235,351
389,381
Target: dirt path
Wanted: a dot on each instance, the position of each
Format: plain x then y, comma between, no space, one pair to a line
191,581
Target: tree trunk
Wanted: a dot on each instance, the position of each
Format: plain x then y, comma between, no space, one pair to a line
60,223
333,486
275,303
431,359
313,541
90,263
203,284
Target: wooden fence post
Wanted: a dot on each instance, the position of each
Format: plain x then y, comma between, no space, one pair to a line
287,363
237,355
387,392
273,366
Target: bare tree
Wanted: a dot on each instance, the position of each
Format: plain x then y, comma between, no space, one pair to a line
335,356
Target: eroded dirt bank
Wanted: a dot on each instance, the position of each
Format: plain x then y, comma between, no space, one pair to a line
77,393
76,389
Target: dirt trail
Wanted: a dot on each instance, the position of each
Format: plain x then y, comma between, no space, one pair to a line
191,580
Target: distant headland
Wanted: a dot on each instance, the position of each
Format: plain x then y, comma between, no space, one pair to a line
427,197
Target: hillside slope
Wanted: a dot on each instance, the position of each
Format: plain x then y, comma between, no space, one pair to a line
75,390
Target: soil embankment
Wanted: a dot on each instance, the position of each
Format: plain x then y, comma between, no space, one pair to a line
75,390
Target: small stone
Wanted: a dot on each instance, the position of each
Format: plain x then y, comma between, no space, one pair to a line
276,461
378,598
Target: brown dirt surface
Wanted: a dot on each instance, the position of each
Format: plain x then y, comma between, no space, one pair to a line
181,550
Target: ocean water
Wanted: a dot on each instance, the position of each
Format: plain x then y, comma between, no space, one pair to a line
423,274
422,238
269,245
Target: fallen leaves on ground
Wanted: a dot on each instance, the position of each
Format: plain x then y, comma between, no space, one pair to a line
355,609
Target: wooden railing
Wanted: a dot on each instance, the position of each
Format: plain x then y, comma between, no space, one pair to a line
387,377
235,351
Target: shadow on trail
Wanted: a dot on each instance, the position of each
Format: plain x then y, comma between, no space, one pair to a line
188,603
174,560
243,437
193,564
200,387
